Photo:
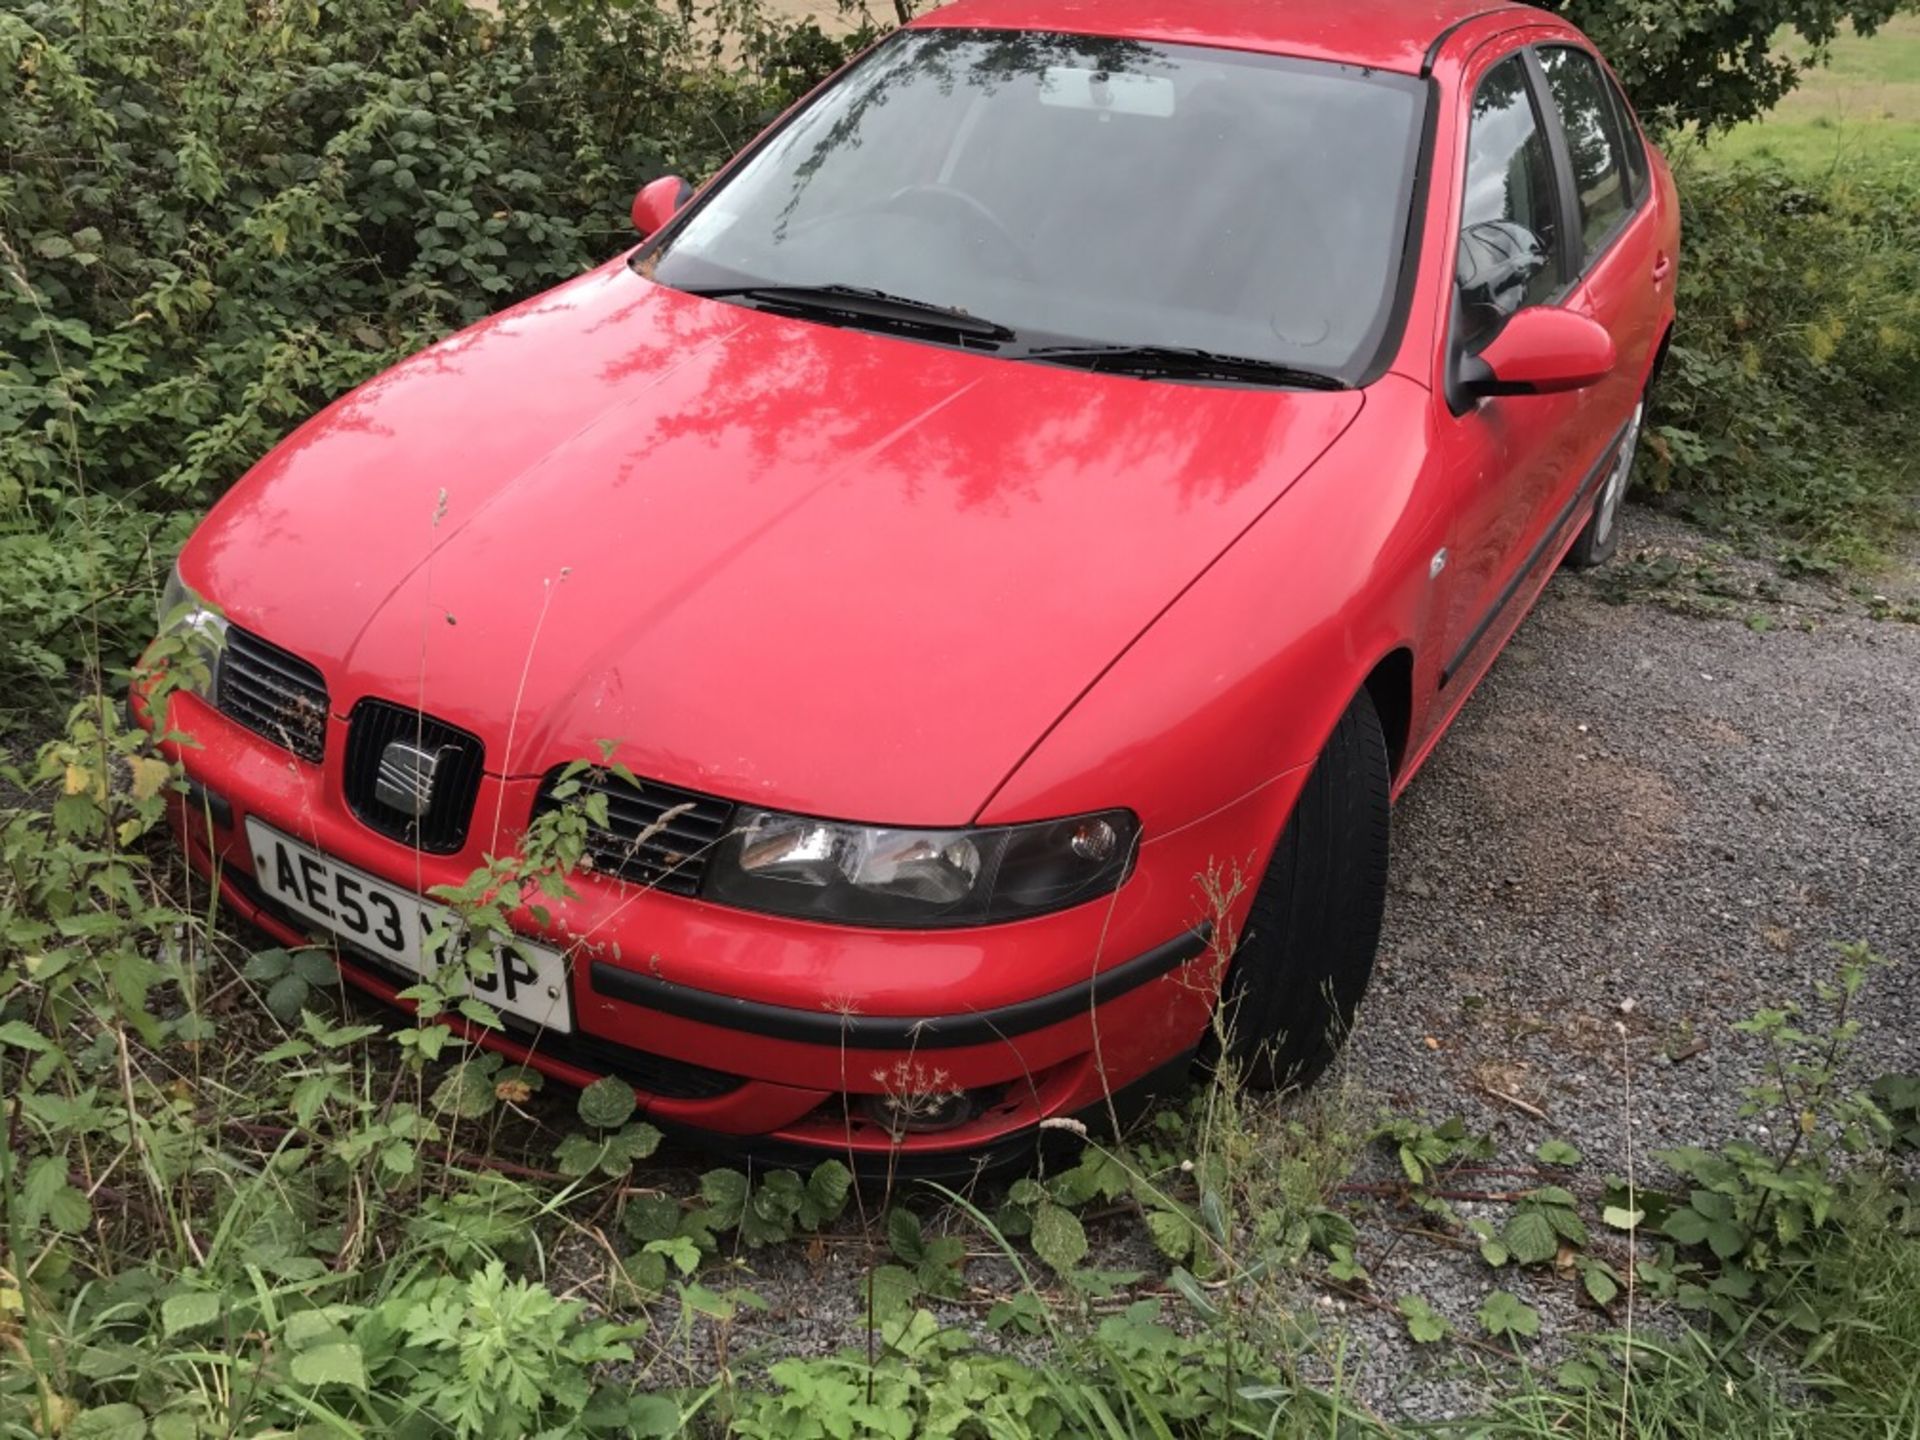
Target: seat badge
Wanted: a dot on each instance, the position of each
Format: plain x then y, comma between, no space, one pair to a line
1439,563
405,779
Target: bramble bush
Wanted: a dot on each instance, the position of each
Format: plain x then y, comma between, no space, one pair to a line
216,215
1792,393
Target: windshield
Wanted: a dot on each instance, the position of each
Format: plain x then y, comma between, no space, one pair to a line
1078,191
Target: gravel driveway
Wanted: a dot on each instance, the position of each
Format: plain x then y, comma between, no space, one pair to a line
1650,818
1647,823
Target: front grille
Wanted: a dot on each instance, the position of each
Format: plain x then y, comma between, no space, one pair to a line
273,693
656,835
453,785
658,1075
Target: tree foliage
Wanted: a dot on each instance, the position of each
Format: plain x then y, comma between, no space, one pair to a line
1712,63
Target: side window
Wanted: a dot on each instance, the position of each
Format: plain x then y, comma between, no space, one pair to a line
1631,144
1509,254
1593,140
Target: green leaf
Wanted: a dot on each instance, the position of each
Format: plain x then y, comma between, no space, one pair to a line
1568,1224
684,1253
627,1148
1172,1233
1602,1285
45,1194
649,1217
307,1327
827,1190
1194,1293
188,1311
894,1289
904,1236
22,1036
726,1191
1058,1238
107,1422
336,1363
1424,1324
1686,1225
608,1103
1507,1314
1530,1237
577,1155
285,997
1557,1152
652,1417
1621,1218
1726,1239
467,1092
316,967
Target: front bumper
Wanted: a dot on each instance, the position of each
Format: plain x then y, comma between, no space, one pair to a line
742,1026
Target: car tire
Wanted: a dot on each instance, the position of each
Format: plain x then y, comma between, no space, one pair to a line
1601,536
1306,951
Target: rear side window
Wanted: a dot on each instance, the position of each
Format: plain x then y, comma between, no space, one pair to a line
1632,147
1593,140
1509,255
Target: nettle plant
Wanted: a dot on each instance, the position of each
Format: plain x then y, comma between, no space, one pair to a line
1758,1218
1756,1237
263,1232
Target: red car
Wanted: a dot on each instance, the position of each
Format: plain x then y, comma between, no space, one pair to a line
1022,522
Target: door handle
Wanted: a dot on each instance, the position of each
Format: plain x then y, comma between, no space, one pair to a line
1662,268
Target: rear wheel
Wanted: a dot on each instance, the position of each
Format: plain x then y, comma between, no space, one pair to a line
1602,536
1307,949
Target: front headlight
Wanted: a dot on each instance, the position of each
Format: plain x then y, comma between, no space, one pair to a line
875,875
191,637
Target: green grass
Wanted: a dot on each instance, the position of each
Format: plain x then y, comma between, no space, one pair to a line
1862,109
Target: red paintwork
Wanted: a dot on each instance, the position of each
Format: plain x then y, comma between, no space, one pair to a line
1379,34
844,574
1548,351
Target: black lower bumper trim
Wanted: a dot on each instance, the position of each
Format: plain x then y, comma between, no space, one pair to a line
897,1032
989,1162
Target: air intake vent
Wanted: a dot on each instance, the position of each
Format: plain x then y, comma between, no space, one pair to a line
656,835
273,693
411,776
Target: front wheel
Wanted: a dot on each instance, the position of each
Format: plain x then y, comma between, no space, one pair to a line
1601,537
1307,951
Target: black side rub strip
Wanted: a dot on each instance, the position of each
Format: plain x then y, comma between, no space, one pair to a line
1589,487
898,1032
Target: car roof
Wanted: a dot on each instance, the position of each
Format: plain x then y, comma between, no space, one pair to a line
1379,34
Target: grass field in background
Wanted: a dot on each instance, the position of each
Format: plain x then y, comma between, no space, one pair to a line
1861,109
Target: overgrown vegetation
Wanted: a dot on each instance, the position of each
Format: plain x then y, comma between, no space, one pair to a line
218,1223
229,1206
1789,399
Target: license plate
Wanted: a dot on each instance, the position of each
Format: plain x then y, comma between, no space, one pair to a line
391,923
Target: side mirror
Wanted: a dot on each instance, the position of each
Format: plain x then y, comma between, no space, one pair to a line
1541,351
658,202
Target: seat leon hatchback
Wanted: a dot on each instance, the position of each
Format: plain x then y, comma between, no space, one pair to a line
976,575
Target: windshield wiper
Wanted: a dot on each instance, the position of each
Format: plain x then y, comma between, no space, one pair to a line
862,303
1183,363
